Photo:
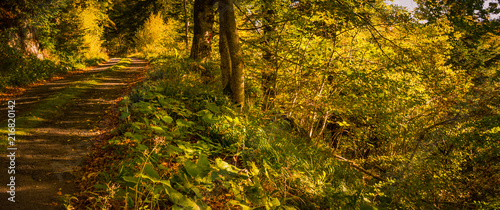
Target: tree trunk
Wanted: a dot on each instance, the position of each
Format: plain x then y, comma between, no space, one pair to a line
203,29
225,61
229,35
186,25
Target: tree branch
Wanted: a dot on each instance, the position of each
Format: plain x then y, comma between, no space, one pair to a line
359,168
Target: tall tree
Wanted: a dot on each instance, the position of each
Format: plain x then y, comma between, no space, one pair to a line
203,29
230,51
186,25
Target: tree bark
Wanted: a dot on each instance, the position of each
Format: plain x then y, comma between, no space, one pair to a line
225,61
203,29
186,25
229,33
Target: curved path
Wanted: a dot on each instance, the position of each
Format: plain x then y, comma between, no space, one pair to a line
55,126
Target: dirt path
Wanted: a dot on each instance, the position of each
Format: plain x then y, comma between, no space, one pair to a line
55,126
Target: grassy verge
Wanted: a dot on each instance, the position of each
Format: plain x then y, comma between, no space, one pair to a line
180,144
49,107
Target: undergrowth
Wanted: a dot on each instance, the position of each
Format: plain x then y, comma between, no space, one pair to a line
181,144
19,68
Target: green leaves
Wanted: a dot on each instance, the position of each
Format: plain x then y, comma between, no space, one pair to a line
166,119
207,116
150,171
213,108
181,201
158,130
131,179
191,168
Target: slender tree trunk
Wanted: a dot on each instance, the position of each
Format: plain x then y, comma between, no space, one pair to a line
225,61
203,29
186,25
229,33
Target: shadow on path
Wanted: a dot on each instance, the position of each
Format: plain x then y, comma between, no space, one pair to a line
49,154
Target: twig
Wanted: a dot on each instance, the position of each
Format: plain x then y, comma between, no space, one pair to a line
359,168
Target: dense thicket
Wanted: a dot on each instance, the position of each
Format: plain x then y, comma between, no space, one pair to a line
410,100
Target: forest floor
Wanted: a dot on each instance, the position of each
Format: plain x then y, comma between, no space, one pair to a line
56,125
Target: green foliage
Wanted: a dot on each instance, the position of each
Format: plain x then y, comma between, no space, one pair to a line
49,38
19,69
412,104
188,148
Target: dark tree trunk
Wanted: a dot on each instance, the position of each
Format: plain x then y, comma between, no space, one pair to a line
231,59
203,29
225,61
186,25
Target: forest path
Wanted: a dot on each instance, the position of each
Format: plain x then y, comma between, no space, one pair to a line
55,125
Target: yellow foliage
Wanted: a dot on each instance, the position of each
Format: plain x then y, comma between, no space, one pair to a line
156,37
91,20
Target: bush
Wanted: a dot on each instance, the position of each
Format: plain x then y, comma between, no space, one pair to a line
19,69
156,38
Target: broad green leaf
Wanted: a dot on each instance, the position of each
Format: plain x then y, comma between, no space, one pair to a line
213,107
242,206
158,129
150,171
275,202
254,170
180,199
197,192
182,122
173,150
131,179
191,168
207,116
166,119
222,165
204,165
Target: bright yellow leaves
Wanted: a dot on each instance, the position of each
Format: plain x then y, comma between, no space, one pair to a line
156,37
91,20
